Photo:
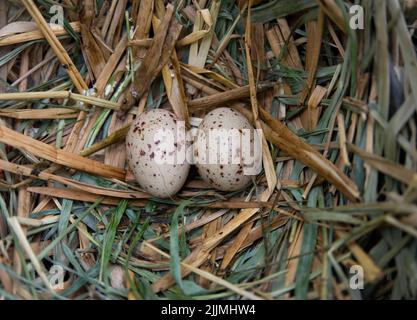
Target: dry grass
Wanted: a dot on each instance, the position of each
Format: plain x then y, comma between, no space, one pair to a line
336,106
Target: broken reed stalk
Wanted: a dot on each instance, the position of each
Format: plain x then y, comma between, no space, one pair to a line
58,156
24,96
146,43
220,99
115,137
384,165
106,73
36,35
42,114
80,194
33,173
159,52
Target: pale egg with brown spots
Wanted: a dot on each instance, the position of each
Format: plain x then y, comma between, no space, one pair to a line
227,150
154,147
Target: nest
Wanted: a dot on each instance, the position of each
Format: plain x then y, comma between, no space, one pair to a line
333,213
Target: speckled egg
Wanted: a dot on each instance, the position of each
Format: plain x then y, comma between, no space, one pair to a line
227,150
155,146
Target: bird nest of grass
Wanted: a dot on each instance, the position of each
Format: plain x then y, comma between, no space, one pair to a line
333,88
